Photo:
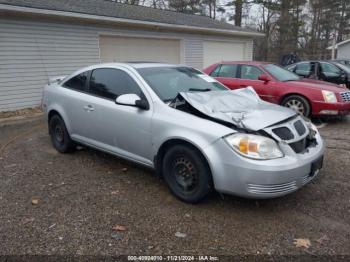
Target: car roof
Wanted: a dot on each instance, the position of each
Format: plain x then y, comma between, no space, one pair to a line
329,61
135,65
246,62
150,64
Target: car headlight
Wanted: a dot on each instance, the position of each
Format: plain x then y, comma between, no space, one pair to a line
253,146
329,96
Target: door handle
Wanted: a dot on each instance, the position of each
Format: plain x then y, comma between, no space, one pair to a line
89,108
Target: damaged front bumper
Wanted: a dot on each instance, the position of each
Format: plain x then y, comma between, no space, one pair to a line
238,175
245,112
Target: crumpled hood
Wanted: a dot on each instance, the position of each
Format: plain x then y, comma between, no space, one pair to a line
241,107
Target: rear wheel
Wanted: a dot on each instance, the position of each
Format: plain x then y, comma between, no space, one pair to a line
187,174
59,135
298,104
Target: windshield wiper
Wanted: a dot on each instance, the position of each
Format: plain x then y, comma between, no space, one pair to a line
191,89
199,90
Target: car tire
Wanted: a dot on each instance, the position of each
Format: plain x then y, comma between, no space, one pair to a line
59,135
186,173
298,104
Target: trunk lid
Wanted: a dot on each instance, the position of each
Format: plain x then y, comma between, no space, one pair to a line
56,79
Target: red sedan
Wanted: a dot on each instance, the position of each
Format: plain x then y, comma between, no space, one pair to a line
277,85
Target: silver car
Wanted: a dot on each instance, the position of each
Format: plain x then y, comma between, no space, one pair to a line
197,134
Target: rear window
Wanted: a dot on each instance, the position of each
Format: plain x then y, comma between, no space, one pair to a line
225,71
77,82
110,83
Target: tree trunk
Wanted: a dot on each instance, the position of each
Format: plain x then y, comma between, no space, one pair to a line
238,12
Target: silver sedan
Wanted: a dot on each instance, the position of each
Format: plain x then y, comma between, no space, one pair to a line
198,135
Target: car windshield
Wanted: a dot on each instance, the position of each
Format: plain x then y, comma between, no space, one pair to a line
280,73
167,82
343,62
343,67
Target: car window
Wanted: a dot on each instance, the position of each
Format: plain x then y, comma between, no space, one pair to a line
77,82
167,82
250,72
305,69
330,70
291,68
215,72
111,83
342,67
227,71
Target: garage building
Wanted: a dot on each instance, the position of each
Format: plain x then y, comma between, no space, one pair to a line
40,39
343,49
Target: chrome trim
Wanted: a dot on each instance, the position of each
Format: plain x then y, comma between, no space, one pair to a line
345,96
272,189
291,127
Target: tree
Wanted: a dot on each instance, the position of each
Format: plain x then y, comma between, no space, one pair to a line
186,6
212,7
304,27
238,12
266,23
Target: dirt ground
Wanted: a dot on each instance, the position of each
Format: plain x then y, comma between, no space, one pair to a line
55,204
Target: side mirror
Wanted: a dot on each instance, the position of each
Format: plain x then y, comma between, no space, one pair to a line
142,104
264,78
132,100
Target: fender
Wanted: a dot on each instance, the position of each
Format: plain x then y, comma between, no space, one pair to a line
59,109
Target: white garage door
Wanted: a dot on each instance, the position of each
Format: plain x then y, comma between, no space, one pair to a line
214,52
122,49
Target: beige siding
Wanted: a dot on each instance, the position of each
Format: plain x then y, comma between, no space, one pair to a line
33,51
218,51
121,49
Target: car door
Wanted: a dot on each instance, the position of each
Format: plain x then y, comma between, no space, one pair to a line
249,76
74,98
331,73
120,129
306,70
227,75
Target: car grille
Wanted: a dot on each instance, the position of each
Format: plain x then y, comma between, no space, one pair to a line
295,133
345,96
272,189
299,146
306,179
300,127
283,133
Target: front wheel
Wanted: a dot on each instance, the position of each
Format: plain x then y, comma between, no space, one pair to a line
187,174
59,135
298,103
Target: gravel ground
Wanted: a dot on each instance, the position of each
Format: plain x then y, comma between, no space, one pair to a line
55,204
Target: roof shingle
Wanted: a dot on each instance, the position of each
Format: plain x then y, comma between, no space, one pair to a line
109,8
